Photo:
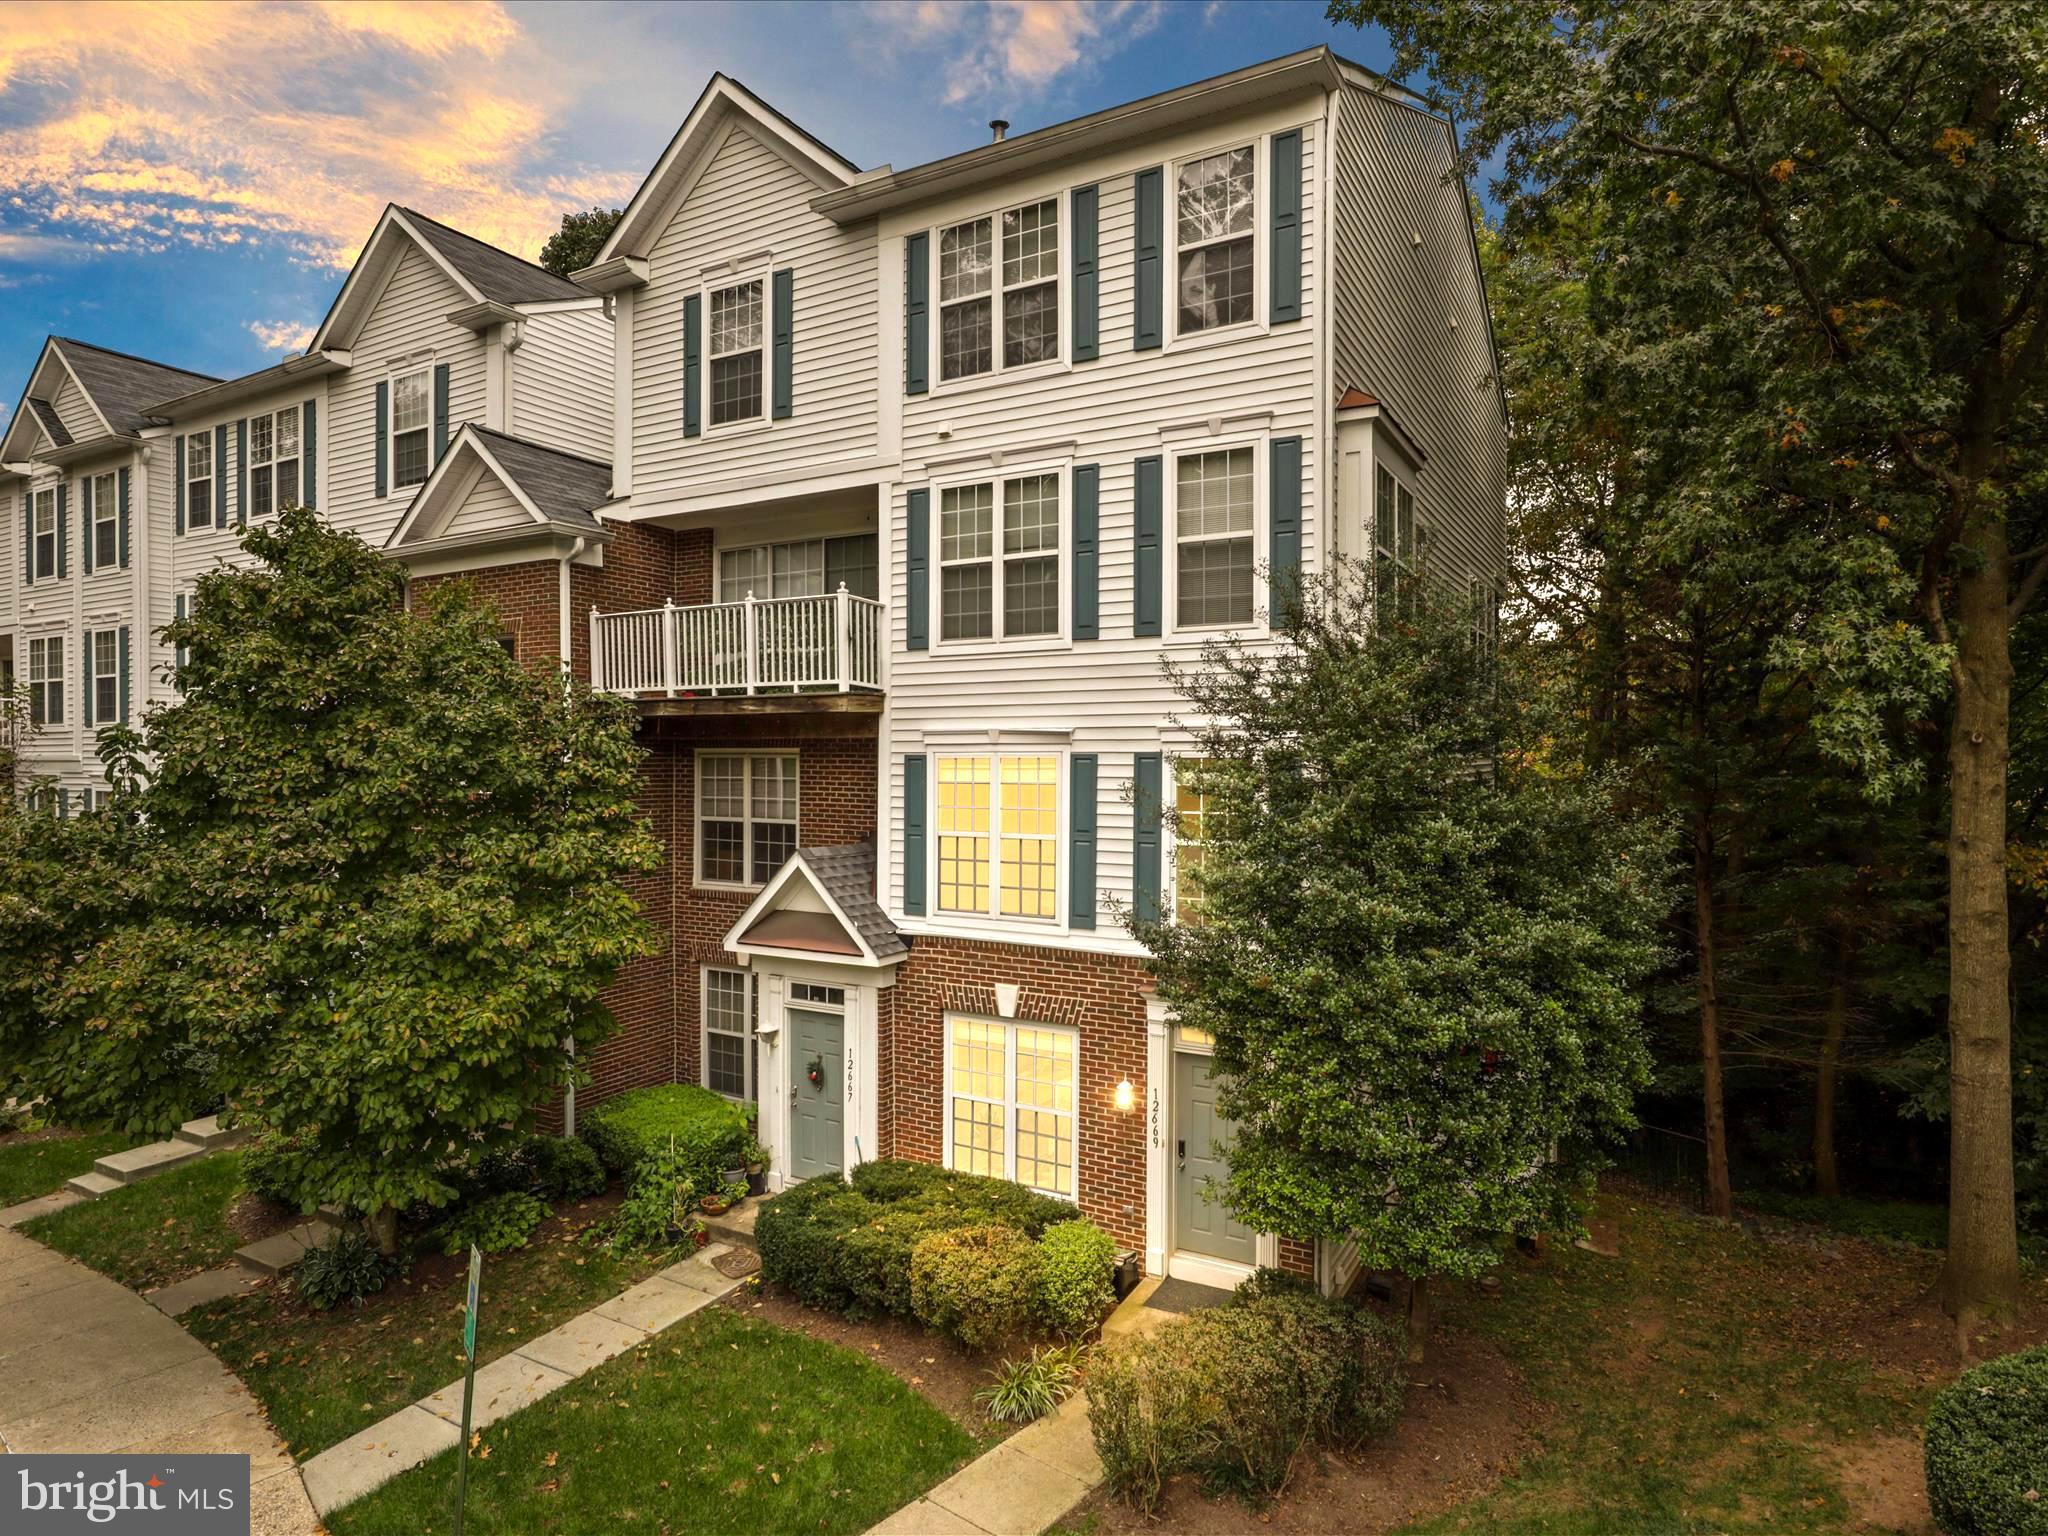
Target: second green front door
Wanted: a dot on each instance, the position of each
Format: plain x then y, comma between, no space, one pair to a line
817,1109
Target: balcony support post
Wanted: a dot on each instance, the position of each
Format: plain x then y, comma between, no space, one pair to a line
671,647
753,644
599,674
842,626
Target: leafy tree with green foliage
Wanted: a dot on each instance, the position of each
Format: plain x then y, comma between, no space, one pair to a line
575,245
1834,218
383,874
1418,948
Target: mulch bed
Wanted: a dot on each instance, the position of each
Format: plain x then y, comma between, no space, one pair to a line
47,1133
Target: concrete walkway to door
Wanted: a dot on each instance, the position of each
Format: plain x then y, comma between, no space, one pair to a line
90,1366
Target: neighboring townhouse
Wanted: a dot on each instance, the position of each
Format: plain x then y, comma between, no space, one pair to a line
887,496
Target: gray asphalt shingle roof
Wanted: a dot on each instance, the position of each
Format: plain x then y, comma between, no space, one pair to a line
497,275
847,872
565,488
53,424
124,387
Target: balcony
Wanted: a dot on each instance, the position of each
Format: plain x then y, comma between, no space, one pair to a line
743,655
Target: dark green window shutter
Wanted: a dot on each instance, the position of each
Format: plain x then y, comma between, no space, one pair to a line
124,517
1087,552
1147,327
28,539
917,335
64,804
220,476
1081,843
917,580
693,362
85,520
440,410
308,442
1283,512
178,472
63,535
383,434
85,671
242,473
124,674
785,297
1145,809
1148,505
913,834
180,661
1084,202
1286,236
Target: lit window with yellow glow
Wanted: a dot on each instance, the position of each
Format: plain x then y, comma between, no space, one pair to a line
963,834
1010,1092
1194,821
998,835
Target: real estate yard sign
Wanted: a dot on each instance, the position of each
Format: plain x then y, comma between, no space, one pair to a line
476,1275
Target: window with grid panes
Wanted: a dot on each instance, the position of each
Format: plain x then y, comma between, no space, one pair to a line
46,680
199,480
1213,514
106,675
1215,209
998,835
273,461
1027,552
106,520
730,1056
1017,282
736,329
45,515
746,816
412,420
1397,535
1010,1092
1192,823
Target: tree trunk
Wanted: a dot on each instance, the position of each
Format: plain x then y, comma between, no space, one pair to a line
1826,1180
1418,1318
1982,1276
382,1225
1720,1193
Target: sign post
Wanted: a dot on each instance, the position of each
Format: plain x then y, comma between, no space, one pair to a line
476,1275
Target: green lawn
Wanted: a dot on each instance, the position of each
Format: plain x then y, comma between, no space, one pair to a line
32,1168
323,1376
166,1227
723,1423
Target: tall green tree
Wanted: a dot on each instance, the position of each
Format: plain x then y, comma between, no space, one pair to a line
575,245
382,880
1846,204
1418,949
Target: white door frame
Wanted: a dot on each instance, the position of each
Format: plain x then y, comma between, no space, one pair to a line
860,1121
1162,1050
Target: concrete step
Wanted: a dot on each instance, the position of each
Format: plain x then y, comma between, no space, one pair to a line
141,1162
209,1133
92,1185
736,1226
207,1286
275,1255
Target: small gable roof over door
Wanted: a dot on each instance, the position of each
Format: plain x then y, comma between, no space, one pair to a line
491,489
821,905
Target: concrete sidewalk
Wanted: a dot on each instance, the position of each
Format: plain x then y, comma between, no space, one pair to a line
90,1366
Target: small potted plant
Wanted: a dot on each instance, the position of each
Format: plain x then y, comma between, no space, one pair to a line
757,1169
715,1204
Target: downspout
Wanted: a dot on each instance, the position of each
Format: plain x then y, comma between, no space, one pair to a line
568,671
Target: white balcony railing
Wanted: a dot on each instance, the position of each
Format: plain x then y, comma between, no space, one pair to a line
760,645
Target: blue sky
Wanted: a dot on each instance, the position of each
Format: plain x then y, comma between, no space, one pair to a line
190,182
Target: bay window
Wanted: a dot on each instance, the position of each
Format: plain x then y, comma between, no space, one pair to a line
736,360
1215,212
746,816
998,824
1396,533
1010,1103
1213,524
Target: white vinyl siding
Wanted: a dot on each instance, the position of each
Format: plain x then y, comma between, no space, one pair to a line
75,411
748,199
488,506
562,383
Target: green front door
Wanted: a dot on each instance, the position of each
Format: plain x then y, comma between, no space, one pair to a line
817,1105
1202,1140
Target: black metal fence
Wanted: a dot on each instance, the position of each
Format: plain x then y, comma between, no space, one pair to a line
1671,1162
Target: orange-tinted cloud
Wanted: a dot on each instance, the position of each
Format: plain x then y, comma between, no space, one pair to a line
1006,49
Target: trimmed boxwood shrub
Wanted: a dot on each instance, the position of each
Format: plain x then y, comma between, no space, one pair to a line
552,1167
494,1224
977,1284
1987,1449
1235,1393
847,1247
711,1133
1076,1286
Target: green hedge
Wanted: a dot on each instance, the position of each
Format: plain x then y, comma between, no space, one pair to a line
848,1246
1987,1449
711,1133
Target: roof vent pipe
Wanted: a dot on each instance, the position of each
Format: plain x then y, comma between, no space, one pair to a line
998,126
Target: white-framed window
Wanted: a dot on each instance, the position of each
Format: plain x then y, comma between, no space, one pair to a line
738,316
1192,822
106,520
45,514
273,461
412,427
731,1057
1000,558
746,816
1397,533
1215,236
997,849
1485,615
97,799
999,291
1215,537
199,466
106,674
46,679
1010,1102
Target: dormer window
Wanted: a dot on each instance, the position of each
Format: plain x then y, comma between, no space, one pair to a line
412,419
1215,214
736,353
199,480
1025,284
